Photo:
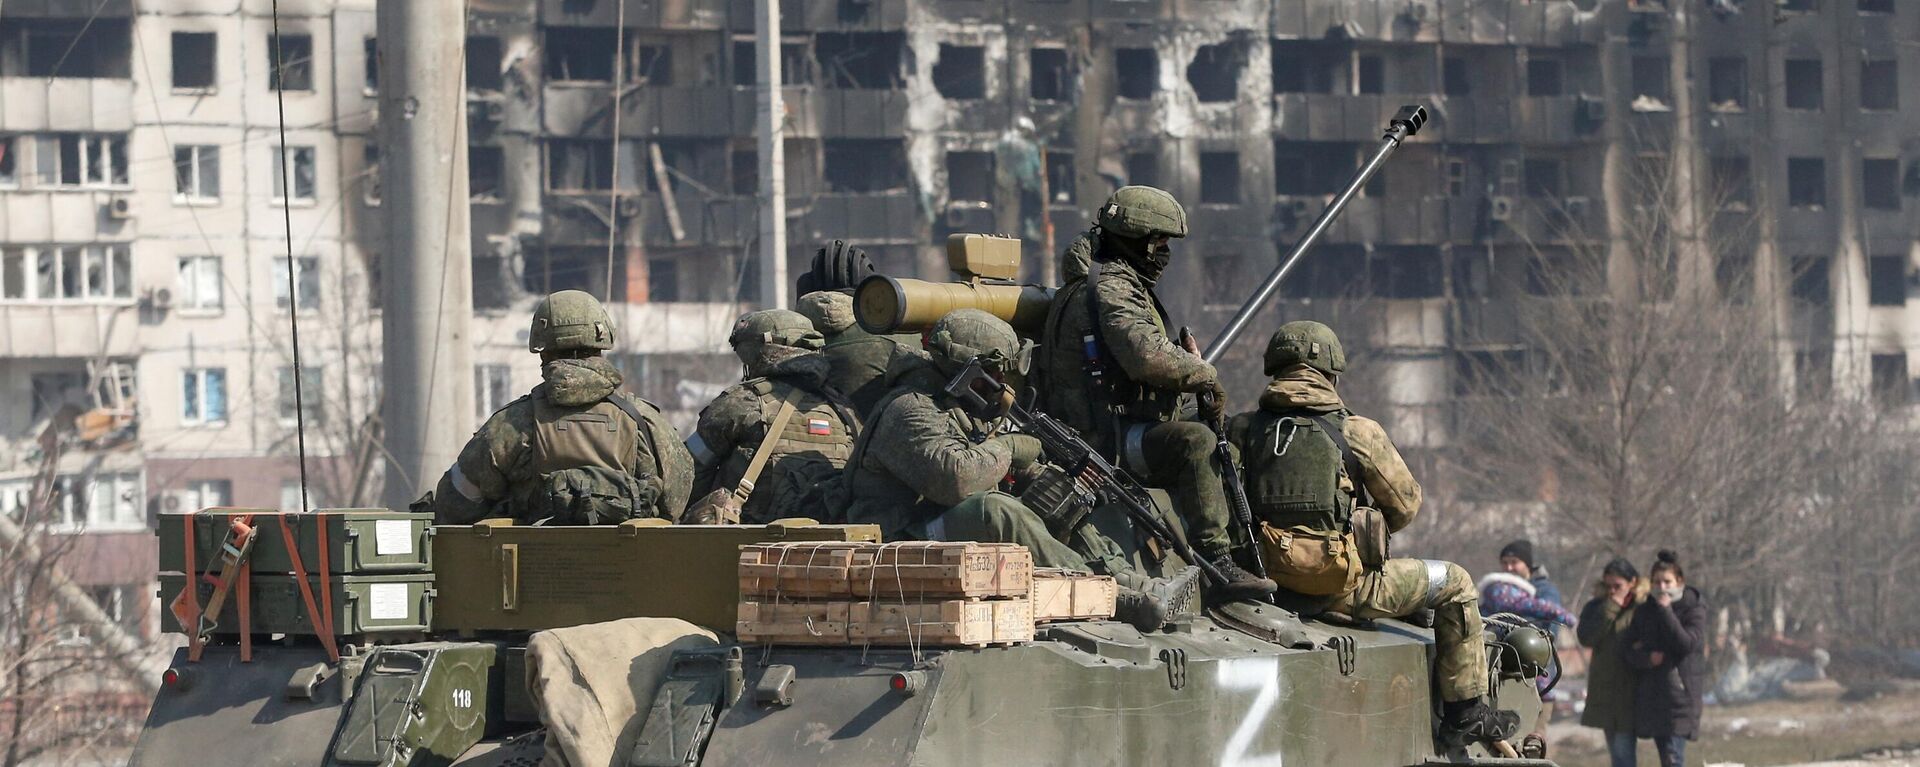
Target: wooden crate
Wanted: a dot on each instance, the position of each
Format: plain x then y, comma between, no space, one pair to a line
811,623
801,569
948,622
1060,595
921,569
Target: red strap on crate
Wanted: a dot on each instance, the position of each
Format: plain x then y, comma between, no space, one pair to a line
190,622
322,624
244,594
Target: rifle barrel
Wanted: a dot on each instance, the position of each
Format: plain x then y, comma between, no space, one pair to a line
1404,125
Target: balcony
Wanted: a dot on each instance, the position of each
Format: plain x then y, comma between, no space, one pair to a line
81,105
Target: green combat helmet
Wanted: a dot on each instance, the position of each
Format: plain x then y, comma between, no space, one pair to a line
1305,342
1142,211
1531,651
569,320
755,332
966,334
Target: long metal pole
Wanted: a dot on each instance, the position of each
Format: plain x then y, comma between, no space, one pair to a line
1404,125
770,115
428,264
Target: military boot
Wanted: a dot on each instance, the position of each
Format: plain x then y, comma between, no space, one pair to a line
1240,584
1148,603
1474,721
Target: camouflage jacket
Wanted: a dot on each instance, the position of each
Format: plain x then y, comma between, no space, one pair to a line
919,455
1145,370
1394,490
494,473
859,359
735,424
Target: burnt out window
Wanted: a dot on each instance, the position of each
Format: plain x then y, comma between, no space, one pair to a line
970,176
1136,73
862,166
1406,271
1810,281
1880,85
483,63
1308,67
1143,168
580,54
1060,186
1806,182
1373,74
1876,6
1312,168
1650,83
1887,280
84,47
1880,183
1049,78
650,64
485,166
796,63
1727,84
1544,77
861,60
370,64
1732,182
289,62
575,165
1215,72
1220,177
744,171
663,280
961,72
193,60
1804,90
1456,79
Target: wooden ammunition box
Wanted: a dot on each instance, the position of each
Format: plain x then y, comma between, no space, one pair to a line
500,576
359,541
948,622
798,570
362,604
924,569
1059,595
808,623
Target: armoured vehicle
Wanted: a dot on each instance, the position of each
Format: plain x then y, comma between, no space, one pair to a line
368,637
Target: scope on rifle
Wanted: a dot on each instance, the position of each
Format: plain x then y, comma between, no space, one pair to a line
984,266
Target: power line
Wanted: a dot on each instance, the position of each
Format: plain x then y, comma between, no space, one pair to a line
293,283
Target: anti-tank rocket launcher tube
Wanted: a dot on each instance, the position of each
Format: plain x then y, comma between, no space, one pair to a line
1404,125
986,266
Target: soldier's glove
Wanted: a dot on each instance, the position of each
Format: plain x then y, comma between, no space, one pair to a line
1026,449
1213,402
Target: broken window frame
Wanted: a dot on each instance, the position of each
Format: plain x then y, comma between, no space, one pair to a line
796,61
1224,61
291,70
1804,98
306,275
950,81
1121,78
647,61
1878,99
1061,78
595,158
496,190
198,288
203,396
1727,73
1883,173
80,161
75,48
66,273
1221,191
837,75
1807,198
287,406
1884,289
494,77
557,54
954,190
300,161
835,153
196,174
212,66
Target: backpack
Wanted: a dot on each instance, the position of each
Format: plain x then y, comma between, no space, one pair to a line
592,495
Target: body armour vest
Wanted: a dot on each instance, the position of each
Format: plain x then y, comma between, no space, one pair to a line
574,437
812,447
1294,471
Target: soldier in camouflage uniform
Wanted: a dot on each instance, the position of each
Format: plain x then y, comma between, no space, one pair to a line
924,468
575,450
778,348
858,360
1111,371
1309,463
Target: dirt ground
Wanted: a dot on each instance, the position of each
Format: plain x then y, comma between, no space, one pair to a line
1878,733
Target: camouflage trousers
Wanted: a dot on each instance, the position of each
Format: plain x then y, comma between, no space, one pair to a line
1404,586
996,517
1177,457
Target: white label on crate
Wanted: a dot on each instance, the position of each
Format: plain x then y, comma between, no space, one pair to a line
388,601
392,536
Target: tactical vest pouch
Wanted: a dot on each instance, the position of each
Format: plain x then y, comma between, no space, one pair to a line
1057,500
1370,537
592,495
1311,562
720,507
801,490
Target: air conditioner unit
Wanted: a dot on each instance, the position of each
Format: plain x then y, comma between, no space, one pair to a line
160,299
119,208
1502,209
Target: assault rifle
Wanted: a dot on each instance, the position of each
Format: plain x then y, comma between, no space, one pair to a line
983,395
1236,490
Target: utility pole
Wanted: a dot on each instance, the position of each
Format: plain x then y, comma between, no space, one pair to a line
771,115
427,295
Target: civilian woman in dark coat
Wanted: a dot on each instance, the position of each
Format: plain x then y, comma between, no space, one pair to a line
1664,647
1610,683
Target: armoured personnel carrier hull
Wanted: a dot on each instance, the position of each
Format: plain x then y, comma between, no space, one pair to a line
1248,684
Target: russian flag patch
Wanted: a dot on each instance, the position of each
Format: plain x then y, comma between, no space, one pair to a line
819,426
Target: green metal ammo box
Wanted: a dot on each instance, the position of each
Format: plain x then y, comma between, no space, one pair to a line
362,604
359,541
499,576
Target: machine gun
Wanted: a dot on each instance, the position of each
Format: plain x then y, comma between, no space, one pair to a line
980,393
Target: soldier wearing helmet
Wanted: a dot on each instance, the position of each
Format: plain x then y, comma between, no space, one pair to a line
1111,370
1316,474
925,468
575,450
785,410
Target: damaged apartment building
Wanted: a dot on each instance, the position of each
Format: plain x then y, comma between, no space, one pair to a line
143,272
